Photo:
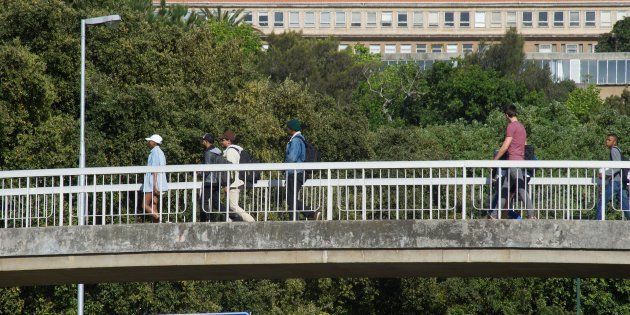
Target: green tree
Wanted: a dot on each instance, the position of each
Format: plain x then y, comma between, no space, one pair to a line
617,40
584,102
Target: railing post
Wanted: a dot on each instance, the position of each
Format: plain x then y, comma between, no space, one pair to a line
602,214
464,198
500,188
194,201
227,198
363,199
568,208
28,202
329,201
61,200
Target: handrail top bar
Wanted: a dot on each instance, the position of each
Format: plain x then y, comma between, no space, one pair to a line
314,166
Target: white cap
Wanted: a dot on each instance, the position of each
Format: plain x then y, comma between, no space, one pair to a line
155,138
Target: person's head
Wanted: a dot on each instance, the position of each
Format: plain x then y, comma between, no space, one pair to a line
293,126
207,141
153,141
611,140
228,138
510,112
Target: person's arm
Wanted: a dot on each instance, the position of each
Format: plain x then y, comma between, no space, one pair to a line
504,148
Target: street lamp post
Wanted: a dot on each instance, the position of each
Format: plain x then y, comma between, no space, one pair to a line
108,20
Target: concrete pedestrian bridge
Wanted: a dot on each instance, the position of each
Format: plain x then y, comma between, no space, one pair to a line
305,249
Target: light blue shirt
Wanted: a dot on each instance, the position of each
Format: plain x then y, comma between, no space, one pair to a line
156,158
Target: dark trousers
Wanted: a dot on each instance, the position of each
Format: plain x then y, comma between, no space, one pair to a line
295,182
210,200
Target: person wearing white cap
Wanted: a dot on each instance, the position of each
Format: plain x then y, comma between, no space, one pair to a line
154,183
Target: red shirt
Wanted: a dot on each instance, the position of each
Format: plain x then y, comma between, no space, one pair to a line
516,150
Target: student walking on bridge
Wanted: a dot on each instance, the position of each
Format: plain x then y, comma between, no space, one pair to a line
296,153
155,184
514,146
615,181
232,153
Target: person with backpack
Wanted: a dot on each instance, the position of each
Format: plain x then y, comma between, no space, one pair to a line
615,181
296,152
232,154
514,146
212,181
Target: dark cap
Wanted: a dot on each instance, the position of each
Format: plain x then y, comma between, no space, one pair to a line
208,137
294,124
228,135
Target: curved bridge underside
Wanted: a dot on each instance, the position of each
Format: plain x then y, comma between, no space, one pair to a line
214,251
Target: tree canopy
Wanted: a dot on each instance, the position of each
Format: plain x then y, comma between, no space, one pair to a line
159,72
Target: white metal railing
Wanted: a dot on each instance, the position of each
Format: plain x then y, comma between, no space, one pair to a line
335,191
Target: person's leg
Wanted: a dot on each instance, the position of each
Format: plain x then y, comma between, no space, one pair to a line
149,206
625,203
507,185
206,194
234,207
607,197
292,188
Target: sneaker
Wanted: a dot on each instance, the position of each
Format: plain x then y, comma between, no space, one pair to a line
318,215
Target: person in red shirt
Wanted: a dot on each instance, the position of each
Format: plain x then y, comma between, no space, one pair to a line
514,146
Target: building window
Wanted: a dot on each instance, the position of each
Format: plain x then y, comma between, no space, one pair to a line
278,19
405,49
467,48
324,19
451,48
495,20
375,49
434,19
421,48
589,18
418,19
294,19
436,48
356,19
371,19
574,19
340,19
558,19
386,20
390,48
402,19
544,48
249,18
604,19
309,19
449,19
343,47
527,19
480,19
543,19
571,49
511,19
464,19
263,19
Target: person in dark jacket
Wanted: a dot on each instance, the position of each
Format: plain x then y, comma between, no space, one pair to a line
295,152
212,181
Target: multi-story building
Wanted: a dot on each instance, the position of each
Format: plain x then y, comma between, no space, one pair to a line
434,26
560,34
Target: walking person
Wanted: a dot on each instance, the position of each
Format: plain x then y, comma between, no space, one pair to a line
212,181
613,181
514,146
296,153
155,183
232,153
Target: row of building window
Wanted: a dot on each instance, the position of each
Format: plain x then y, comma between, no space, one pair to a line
418,19
600,72
455,48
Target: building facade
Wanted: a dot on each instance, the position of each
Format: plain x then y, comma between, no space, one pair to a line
437,26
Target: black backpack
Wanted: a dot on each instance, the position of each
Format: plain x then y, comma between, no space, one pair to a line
624,171
312,153
249,177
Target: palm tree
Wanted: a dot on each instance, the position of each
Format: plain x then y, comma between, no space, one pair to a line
231,17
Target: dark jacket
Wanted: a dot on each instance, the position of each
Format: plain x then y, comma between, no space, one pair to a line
213,156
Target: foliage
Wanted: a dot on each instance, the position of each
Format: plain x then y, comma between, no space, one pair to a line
583,102
621,103
618,40
158,72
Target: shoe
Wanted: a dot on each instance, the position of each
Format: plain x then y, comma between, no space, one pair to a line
318,215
